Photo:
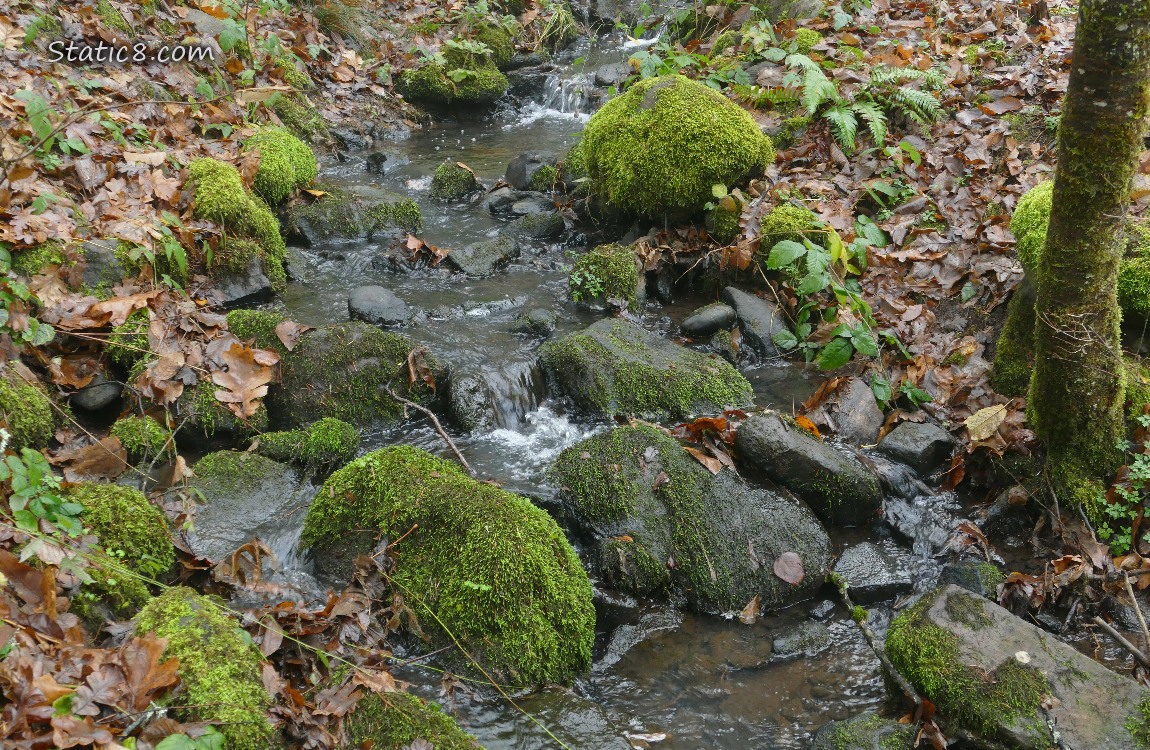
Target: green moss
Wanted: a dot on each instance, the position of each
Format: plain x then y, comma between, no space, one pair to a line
480,82
1139,726
31,261
859,615
218,665
292,75
328,442
297,114
25,412
544,179
1014,352
220,196
143,437
342,213
790,222
112,18
725,219
396,720
559,27
452,182
805,40
1134,285
212,419
574,164
499,41
608,272
286,163
1029,222
403,214
630,566
128,342
495,570
991,576
861,733
257,326
929,657
1137,390
969,610
658,149
235,472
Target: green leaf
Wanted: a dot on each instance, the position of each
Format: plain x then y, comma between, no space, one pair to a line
784,339
177,742
911,151
881,389
835,354
917,396
719,190
232,35
864,342
813,282
775,54
969,290
785,253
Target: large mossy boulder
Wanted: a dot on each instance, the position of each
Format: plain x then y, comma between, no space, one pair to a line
326,443
286,163
342,370
219,666
840,489
25,410
645,502
616,367
1008,682
464,77
479,565
396,720
659,148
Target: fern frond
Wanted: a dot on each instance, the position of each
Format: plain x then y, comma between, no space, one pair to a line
802,61
844,125
920,106
817,89
875,119
761,98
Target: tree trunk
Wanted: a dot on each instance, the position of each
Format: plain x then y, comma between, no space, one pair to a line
1077,392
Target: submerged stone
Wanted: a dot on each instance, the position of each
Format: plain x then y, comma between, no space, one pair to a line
395,721
865,732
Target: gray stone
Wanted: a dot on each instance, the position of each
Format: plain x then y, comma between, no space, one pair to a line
349,138
822,611
707,320
612,74
536,322
500,200
96,395
922,445
541,226
664,284
981,578
864,732
244,288
470,401
1089,705
375,162
856,415
377,305
533,204
807,639
484,258
873,574
837,485
101,266
526,59
758,319
522,168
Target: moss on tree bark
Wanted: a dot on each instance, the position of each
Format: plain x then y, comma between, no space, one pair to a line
1077,392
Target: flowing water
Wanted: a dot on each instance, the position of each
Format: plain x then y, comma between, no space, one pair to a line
660,679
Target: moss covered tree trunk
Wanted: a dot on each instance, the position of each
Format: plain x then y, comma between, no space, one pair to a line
1076,395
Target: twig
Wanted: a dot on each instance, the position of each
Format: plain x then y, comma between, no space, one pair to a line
1138,609
873,642
438,427
1138,655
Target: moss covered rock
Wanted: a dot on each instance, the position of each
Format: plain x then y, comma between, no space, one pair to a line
297,113
219,666
483,564
128,342
499,41
286,163
342,213
608,275
33,260
658,149
616,367
724,218
865,732
326,443
25,411
463,78
396,720
638,484
206,418
790,222
143,438
452,181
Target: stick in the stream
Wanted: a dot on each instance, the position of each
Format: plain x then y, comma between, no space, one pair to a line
872,641
1141,617
1134,650
438,427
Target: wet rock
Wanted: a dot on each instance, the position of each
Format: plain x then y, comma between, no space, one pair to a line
616,367
523,167
537,321
807,639
529,81
101,266
663,285
864,732
244,495
856,417
707,320
661,522
981,578
534,203
98,394
822,611
922,445
758,319
1007,681
612,74
546,225
349,139
500,200
485,258
873,574
375,162
837,485
526,59
452,182
627,636
378,306
244,288
339,213
470,401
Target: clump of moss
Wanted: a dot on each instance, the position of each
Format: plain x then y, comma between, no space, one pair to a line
658,149
790,222
297,114
725,218
143,437
463,78
218,665
31,261
1029,223
805,40
344,214
544,179
326,443
292,75
257,326
495,570
220,196
608,272
210,418
630,566
25,412
128,342
452,182
286,163
499,41
1014,351
397,720
112,17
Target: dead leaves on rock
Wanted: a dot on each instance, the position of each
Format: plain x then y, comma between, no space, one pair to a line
243,376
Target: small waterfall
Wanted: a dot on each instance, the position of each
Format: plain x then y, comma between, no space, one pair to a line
515,389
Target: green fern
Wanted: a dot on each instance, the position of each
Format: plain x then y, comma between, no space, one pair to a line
872,114
844,124
920,106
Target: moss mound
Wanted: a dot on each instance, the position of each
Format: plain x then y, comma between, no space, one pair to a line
463,78
128,342
805,40
397,720
725,218
25,411
143,437
328,442
286,163
484,565
219,666
1029,223
297,113
207,418
340,213
258,327
790,222
452,182
609,273
31,261
499,41
658,149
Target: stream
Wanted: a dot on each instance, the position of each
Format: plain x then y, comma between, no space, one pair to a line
661,678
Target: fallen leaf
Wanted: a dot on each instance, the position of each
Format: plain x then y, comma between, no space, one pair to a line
789,567
244,382
749,614
713,464
985,422
289,332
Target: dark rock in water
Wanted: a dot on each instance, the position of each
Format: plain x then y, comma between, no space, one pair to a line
526,59
470,401
807,639
923,445
661,522
101,266
537,322
484,258
244,288
612,74
616,367
857,417
500,200
547,225
822,611
375,162
377,305
96,395
864,732
522,168
760,320
627,636
838,486
663,286
244,495
1008,682
982,578
529,81
533,204
873,574
707,320
349,138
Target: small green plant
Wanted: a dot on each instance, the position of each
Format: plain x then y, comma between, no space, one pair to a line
32,489
1119,512
16,301
585,286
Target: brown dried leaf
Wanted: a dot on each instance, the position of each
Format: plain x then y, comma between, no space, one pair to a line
289,332
244,382
789,567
